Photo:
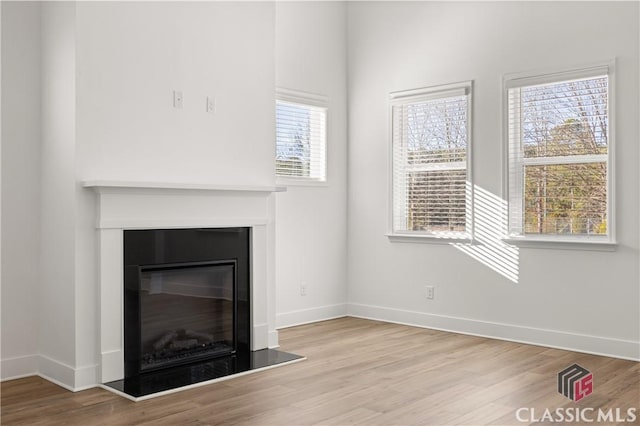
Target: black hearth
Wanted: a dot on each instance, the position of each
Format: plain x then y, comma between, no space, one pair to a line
186,296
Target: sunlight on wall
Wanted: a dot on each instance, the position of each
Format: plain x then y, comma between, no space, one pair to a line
490,226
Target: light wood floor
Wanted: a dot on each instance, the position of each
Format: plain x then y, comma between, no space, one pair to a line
357,372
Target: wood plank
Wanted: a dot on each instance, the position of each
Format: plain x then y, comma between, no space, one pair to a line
357,372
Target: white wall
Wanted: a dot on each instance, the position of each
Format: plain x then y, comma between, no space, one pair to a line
20,186
311,220
132,56
105,75
58,283
577,299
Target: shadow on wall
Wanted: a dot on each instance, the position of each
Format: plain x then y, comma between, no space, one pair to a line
490,227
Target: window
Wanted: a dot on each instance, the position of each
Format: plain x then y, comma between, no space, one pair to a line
430,168
301,136
559,152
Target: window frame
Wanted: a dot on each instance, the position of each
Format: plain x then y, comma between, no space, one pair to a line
561,241
433,93
311,100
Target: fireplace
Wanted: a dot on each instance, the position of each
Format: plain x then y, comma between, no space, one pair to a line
218,221
186,296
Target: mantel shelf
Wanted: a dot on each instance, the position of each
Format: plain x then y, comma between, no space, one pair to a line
99,185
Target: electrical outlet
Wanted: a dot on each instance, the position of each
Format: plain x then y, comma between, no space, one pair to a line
303,289
429,292
211,104
177,99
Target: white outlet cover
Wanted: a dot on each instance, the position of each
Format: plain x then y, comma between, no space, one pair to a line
177,99
211,104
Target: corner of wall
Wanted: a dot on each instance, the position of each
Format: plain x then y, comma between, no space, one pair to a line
57,291
18,367
70,378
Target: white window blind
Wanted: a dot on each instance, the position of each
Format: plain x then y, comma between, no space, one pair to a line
558,156
430,150
300,139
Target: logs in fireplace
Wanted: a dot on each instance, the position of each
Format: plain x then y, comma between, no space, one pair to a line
179,345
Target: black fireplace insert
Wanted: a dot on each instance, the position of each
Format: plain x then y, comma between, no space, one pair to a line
186,296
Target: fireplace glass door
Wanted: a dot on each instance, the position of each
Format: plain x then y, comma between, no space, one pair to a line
187,313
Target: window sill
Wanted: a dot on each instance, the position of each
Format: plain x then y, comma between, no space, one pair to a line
427,239
284,181
587,245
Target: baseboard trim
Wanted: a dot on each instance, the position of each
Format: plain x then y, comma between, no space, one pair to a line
595,345
311,315
18,367
273,339
86,377
56,372
73,379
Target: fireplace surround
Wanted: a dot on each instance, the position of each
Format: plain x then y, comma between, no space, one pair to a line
124,206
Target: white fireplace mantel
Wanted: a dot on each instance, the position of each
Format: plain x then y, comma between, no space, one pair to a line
114,185
126,205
